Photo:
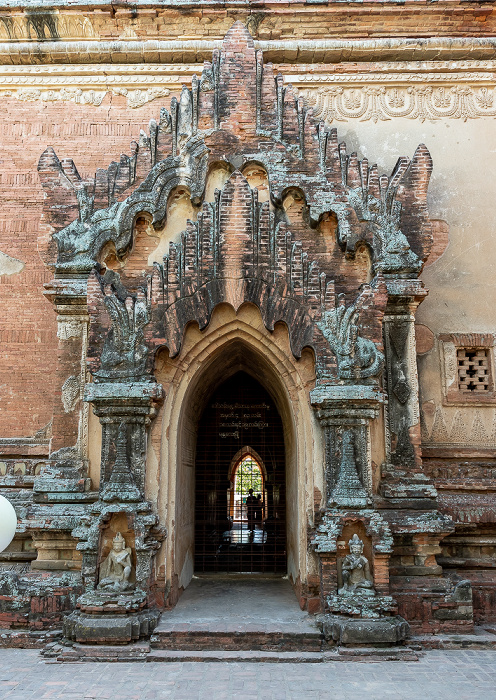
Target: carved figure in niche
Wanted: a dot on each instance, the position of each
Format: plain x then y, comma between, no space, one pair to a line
355,570
116,568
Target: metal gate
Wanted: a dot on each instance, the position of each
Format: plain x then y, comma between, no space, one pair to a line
240,507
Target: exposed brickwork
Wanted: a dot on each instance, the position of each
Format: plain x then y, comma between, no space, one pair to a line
426,611
28,323
281,20
43,611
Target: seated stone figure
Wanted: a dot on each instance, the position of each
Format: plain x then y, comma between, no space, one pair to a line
355,570
116,569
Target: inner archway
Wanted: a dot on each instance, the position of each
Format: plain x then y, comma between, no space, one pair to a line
240,447
247,477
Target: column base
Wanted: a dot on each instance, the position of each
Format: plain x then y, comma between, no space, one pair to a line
103,618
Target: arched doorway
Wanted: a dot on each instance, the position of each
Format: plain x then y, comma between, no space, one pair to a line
240,447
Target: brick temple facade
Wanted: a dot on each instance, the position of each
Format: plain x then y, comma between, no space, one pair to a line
241,293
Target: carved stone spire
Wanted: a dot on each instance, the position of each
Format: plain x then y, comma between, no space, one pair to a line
121,486
349,491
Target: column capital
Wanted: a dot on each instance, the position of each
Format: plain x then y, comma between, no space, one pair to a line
346,403
121,399
67,291
404,295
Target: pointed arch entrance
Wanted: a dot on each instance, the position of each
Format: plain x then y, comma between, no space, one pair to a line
240,455
234,341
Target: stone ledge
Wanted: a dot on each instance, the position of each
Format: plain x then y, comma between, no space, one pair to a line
136,651
116,391
336,393
482,638
199,50
27,639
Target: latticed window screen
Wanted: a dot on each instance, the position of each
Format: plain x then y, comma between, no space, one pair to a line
473,370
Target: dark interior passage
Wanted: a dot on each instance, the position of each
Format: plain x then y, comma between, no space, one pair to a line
240,513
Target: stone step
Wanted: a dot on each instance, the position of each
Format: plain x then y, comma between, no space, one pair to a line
73,653
243,638
165,655
368,655
141,652
482,638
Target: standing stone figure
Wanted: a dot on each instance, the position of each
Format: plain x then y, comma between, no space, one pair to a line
355,570
116,568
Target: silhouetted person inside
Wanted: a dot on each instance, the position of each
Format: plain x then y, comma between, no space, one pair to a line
251,505
259,511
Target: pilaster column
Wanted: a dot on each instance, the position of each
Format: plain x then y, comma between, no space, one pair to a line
344,413
403,482
70,413
350,520
125,410
403,413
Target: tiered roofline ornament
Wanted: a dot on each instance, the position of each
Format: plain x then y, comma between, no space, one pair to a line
240,250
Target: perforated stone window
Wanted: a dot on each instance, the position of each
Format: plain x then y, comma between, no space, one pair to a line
473,370
468,368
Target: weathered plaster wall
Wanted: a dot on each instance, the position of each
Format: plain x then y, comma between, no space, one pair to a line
463,154
459,439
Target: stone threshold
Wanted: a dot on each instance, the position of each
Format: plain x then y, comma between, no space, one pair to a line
482,638
80,653
49,642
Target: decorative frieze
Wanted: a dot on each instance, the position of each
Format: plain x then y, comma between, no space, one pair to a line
384,102
126,48
371,92
468,426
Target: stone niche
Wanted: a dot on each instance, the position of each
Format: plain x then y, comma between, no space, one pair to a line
361,614
116,610
343,547
123,523
332,545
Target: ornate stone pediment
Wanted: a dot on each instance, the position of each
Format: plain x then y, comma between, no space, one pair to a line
239,111
241,249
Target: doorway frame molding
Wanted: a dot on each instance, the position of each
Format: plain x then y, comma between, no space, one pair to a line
289,388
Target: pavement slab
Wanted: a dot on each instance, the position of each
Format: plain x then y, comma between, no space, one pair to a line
230,602
437,675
